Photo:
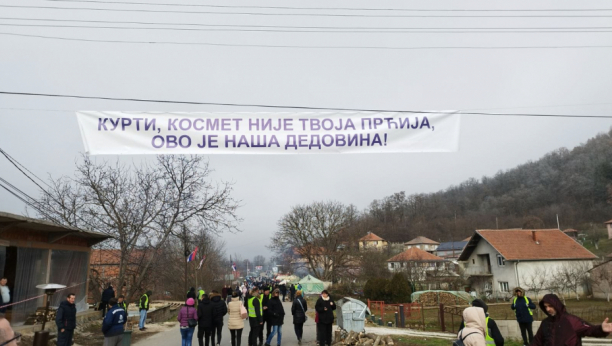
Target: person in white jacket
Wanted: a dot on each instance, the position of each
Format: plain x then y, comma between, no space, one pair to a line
475,323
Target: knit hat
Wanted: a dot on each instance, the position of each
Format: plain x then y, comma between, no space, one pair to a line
190,301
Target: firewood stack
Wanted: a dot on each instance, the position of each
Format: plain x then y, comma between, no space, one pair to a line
363,339
39,315
436,298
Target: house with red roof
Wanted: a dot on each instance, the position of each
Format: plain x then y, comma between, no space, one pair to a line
497,261
372,242
422,243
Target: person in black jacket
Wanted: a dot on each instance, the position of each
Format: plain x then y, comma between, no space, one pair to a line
65,319
266,316
107,294
523,307
192,293
276,317
298,310
325,307
205,320
219,309
492,329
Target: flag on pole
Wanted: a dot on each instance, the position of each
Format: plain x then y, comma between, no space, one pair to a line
202,261
234,267
192,255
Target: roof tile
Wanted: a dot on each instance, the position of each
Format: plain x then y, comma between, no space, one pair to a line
371,237
422,240
414,254
551,244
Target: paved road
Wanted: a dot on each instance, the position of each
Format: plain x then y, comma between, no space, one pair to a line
173,336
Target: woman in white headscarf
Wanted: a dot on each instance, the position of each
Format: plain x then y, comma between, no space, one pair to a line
475,323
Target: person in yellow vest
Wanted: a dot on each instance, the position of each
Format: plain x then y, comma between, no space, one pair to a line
121,302
255,311
523,307
143,307
201,294
492,334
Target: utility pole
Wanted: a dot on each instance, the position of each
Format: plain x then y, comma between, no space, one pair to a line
558,226
186,254
496,223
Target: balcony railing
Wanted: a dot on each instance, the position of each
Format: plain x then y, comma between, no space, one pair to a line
478,270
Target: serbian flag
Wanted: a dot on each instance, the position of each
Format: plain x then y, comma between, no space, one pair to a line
234,267
192,255
202,261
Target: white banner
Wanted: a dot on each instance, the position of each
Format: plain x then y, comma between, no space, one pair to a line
125,133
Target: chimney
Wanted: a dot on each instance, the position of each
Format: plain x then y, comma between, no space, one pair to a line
534,236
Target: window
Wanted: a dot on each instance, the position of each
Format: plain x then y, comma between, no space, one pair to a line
501,261
391,265
473,261
376,243
503,286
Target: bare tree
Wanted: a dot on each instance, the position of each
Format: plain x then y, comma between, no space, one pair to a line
141,207
537,280
601,276
319,233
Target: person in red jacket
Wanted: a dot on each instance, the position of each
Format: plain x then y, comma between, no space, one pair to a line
562,328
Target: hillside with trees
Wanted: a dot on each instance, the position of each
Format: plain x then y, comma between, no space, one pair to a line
574,184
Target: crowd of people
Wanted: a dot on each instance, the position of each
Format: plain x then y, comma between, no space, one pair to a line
260,303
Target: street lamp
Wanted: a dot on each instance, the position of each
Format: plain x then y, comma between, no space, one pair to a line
42,337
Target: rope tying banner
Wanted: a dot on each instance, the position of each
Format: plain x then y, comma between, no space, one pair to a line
26,300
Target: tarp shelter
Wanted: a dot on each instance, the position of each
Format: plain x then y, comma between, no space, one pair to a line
311,285
34,252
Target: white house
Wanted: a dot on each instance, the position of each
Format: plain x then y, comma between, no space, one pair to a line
497,261
609,227
422,243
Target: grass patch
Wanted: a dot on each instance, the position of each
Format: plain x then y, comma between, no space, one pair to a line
605,247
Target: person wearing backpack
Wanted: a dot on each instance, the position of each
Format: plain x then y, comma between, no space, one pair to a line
237,314
188,319
298,310
474,332
493,336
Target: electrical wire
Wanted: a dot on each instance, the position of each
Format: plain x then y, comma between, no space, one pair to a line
16,163
305,27
304,14
310,31
28,200
214,44
293,107
335,8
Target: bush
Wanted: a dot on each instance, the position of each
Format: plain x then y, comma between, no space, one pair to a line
400,288
377,289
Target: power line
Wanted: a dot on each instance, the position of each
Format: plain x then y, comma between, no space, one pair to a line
28,200
306,27
292,107
214,44
335,8
312,31
464,109
16,163
306,14
308,31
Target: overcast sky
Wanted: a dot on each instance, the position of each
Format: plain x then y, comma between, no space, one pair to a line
548,81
